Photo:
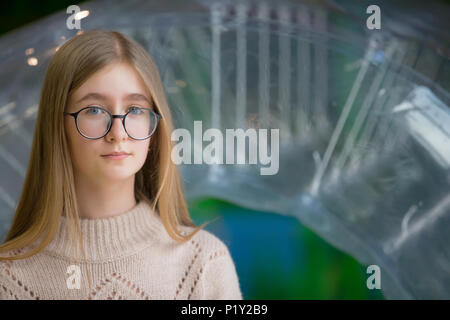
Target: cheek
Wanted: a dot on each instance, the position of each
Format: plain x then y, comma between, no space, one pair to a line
142,153
80,148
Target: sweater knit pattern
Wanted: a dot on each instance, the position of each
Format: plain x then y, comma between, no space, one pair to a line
129,257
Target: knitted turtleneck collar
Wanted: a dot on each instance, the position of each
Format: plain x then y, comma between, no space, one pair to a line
110,238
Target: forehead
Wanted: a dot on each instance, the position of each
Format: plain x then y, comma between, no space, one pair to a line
105,98
115,82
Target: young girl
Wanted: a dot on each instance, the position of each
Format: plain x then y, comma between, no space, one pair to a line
101,184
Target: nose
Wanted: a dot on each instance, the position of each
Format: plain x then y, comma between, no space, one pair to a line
117,131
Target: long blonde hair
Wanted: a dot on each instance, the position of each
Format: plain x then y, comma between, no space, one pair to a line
48,191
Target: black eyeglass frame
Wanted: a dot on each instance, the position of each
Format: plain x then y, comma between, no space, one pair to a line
112,116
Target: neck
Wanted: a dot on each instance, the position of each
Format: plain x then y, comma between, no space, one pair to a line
98,199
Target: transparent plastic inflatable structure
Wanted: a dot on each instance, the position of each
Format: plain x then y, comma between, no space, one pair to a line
363,116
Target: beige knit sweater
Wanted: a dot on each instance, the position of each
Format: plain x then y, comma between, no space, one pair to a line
130,256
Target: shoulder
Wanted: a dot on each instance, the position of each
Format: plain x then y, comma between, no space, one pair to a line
7,265
207,247
207,241
215,267
12,280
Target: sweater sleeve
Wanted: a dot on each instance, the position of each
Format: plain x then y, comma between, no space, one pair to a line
219,279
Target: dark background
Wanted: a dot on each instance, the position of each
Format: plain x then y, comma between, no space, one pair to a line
18,13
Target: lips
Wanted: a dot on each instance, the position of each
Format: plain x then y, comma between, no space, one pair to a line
116,154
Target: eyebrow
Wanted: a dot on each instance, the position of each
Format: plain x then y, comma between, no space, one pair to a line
98,96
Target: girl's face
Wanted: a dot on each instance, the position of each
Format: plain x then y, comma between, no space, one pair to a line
115,88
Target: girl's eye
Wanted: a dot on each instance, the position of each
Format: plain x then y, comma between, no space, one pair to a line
94,110
135,110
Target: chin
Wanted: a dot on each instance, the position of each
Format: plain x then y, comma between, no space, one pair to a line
117,175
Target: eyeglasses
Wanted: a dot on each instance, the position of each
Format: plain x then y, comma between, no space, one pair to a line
94,122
